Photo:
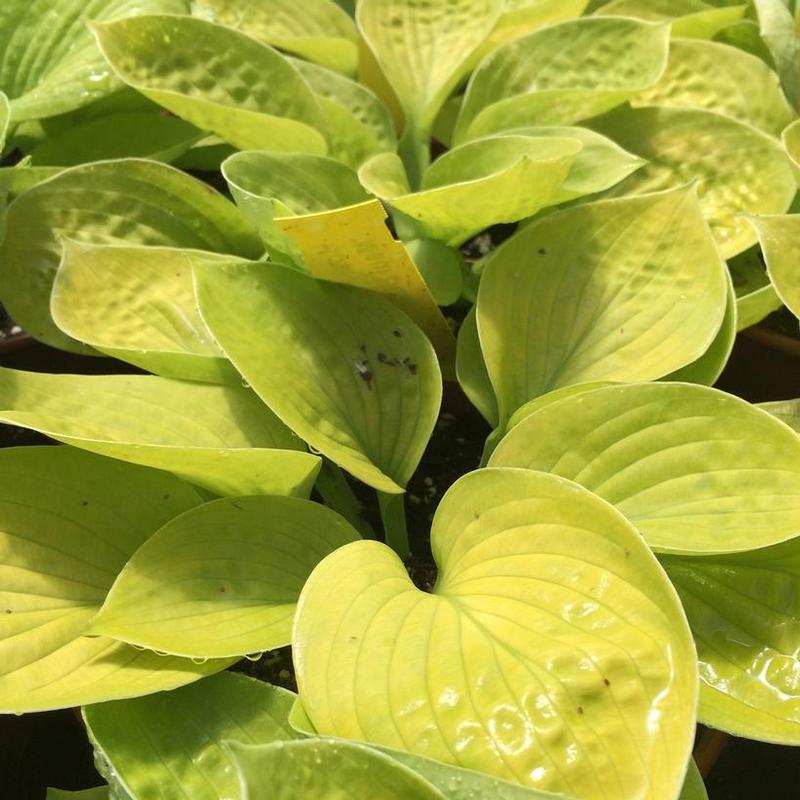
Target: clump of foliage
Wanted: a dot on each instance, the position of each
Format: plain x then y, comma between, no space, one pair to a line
624,562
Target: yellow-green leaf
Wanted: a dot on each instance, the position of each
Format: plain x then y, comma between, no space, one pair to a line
780,243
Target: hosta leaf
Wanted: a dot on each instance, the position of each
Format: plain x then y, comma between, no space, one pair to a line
744,612
357,122
68,523
791,142
690,18
5,116
563,73
221,438
51,63
755,295
471,370
424,48
128,202
617,291
780,243
693,787
218,79
723,79
689,145
708,367
137,304
325,767
315,29
522,671
441,267
787,411
481,183
696,470
98,793
21,177
524,16
343,368
745,35
168,745
223,579
778,31
139,134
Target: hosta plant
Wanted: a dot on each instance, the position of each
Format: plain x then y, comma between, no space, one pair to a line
278,215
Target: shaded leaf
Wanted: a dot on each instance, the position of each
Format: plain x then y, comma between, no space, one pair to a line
780,243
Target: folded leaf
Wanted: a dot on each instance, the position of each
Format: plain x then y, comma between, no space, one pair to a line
780,243
342,367
696,470
563,73
221,438
51,63
624,290
168,745
723,79
157,326
684,146
223,579
127,202
218,79
551,650
745,617
479,184
314,29
473,376
65,533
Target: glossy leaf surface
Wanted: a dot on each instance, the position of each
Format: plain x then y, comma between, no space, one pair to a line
223,579
342,367
221,438
524,672
695,469
615,291
64,536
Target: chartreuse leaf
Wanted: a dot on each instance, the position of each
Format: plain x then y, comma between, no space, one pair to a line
216,78
696,470
137,304
424,49
325,768
791,142
98,793
441,267
780,243
481,183
724,80
342,367
471,370
744,611
693,787
690,18
755,295
357,122
68,523
222,579
563,73
708,367
778,31
315,29
132,202
619,290
51,63
523,671
168,745
524,16
139,134
684,145
787,411
221,438
5,116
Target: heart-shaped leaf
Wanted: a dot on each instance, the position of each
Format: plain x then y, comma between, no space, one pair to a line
157,326
689,18
745,616
65,533
780,243
223,579
552,650
169,744
51,63
318,30
612,291
683,145
342,367
726,80
218,79
111,202
695,469
563,73
479,184
221,438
